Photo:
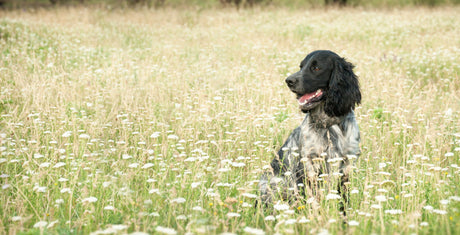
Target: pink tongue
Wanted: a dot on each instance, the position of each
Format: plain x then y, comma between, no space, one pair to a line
306,97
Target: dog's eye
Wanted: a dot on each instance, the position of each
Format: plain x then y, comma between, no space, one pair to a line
315,68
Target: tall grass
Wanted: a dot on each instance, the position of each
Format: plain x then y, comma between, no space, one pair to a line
161,121
221,3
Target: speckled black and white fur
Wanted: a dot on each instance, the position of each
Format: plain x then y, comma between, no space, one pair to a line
328,135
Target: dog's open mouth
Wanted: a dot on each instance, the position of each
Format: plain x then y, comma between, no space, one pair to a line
310,98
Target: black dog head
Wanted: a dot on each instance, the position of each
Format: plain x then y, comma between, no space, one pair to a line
325,78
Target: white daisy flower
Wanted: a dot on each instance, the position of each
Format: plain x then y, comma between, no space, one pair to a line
40,224
353,223
332,196
178,200
233,215
89,199
164,230
254,231
393,212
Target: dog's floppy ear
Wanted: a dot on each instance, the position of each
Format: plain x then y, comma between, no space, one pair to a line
343,92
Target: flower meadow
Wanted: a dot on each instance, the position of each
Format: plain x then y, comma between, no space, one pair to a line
161,121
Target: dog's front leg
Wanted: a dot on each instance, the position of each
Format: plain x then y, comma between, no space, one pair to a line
311,172
345,168
278,184
281,181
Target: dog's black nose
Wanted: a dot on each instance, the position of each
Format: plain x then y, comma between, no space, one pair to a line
291,81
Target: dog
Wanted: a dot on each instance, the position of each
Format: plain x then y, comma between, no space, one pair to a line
327,91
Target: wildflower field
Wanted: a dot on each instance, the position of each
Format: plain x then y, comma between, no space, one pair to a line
162,121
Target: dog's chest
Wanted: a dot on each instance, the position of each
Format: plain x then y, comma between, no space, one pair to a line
326,143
